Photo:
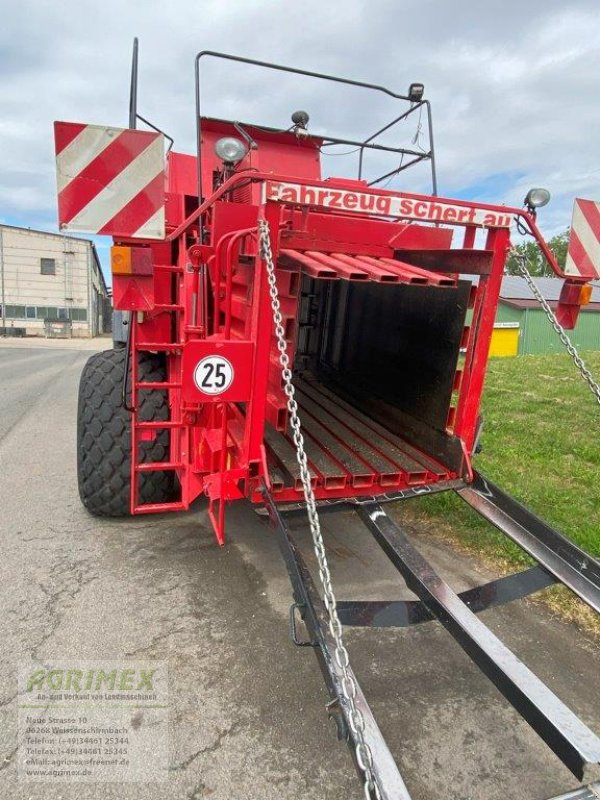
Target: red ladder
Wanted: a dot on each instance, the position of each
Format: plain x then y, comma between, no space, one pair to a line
146,430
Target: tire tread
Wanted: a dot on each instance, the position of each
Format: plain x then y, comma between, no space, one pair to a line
104,435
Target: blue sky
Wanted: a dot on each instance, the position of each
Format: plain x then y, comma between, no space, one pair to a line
514,87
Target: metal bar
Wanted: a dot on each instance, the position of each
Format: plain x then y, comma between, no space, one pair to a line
157,426
343,270
405,272
331,473
401,167
358,473
133,89
402,613
572,741
158,466
134,85
466,261
419,156
245,135
131,348
308,264
158,130
478,347
431,150
124,386
388,472
411,269
159,508
571,565
285,455
329,505
382,130
591,792
247,176
376,273
392,447
157,385
389,781
294,71
261,331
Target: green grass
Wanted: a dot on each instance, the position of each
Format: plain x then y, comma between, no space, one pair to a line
541,444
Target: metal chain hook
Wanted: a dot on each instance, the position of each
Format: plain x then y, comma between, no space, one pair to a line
347,684
562,335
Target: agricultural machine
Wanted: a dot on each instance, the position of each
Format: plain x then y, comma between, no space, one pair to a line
310,343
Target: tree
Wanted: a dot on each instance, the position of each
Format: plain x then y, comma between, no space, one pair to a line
536,263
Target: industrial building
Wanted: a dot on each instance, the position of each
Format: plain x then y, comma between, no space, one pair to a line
51,284
522,327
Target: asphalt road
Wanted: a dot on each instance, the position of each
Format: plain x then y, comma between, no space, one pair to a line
247,717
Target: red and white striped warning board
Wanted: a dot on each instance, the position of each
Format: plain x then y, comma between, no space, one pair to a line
110,180
583,255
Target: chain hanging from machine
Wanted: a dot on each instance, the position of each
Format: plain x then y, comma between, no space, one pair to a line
587,376
347,684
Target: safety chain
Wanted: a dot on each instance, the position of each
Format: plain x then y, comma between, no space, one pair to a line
354,716
562,335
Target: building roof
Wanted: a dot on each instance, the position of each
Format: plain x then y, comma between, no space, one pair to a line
516,293
46,233
552,303
516,288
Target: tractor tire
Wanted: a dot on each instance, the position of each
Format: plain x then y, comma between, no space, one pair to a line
104,435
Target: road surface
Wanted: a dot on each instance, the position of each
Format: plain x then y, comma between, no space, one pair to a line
247,717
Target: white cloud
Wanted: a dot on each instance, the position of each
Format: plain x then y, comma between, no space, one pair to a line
514,87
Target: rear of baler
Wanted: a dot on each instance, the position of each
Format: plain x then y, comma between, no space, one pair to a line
389,373
262,297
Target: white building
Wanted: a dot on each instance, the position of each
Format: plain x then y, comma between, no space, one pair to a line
50,281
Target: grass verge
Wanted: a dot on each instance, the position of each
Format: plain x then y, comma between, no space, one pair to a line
541,444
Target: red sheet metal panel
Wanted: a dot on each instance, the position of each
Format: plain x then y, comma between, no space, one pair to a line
217,371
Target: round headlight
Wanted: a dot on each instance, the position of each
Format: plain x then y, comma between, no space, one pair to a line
230,150
536,198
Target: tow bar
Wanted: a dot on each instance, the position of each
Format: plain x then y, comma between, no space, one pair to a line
559,561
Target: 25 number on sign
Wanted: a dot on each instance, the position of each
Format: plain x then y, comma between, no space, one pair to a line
213,375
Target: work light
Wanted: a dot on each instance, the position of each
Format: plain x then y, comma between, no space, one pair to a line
300,119
536,198
230,150
415,92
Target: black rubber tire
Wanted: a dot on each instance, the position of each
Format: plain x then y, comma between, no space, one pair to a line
104,435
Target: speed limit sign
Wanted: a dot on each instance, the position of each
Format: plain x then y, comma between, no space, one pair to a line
214,375
215,371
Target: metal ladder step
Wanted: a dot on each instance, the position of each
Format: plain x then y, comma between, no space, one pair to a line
157,426
159,508
158,347
158,466
157,385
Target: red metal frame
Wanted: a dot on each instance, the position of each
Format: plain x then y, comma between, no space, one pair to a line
210,286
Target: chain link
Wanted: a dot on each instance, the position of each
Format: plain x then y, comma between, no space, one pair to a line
562,335
341,658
